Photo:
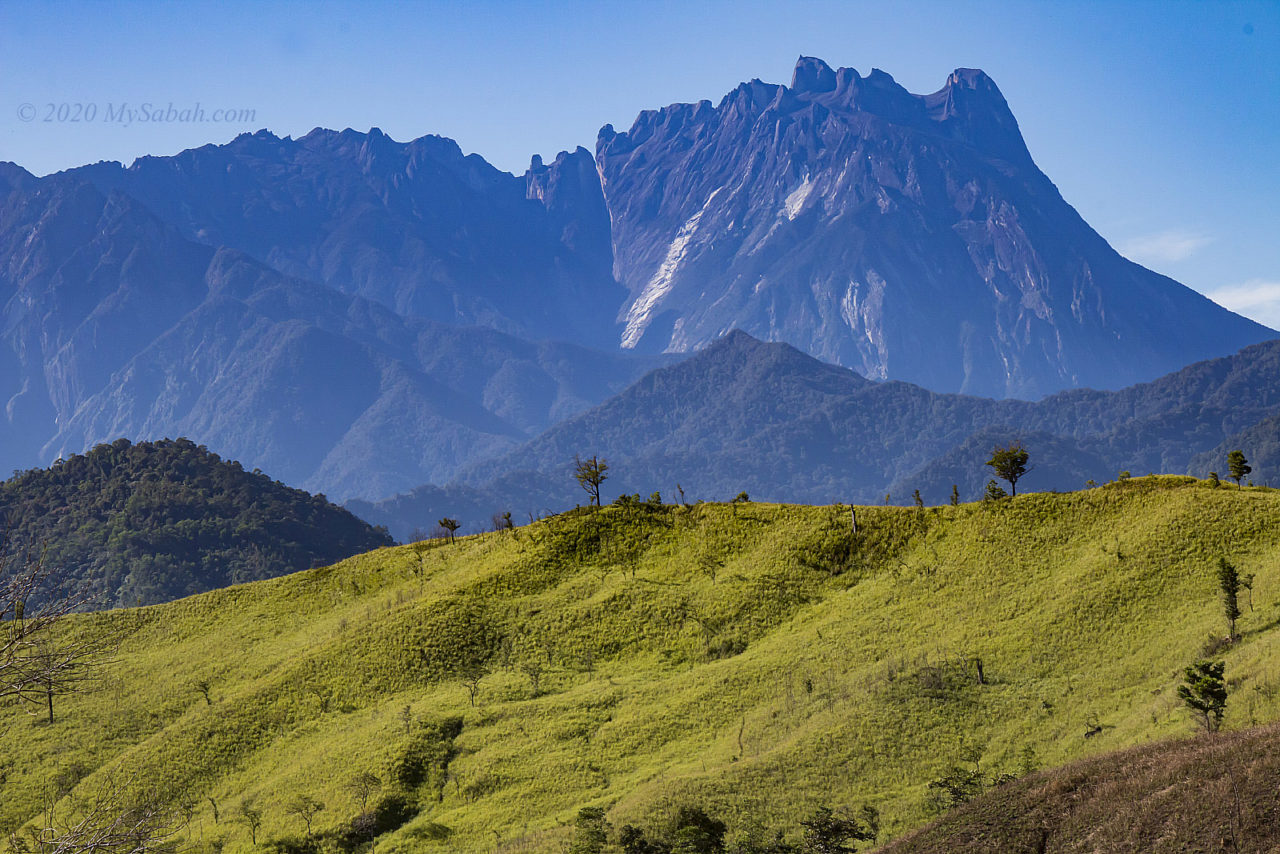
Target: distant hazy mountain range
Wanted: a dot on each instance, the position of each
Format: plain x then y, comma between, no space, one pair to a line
114,324
766,419
360,316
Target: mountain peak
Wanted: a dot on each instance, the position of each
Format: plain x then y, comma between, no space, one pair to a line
973,108
812,75
972,78
860,192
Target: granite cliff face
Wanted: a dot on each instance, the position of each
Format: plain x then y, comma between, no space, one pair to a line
905,236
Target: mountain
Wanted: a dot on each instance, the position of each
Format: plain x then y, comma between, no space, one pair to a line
754,661
417,226
743,415
139,524
908,237
360,316
113,324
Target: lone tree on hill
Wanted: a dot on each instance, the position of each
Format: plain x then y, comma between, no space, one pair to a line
450,525
1229,582
305,808
590,473
1010,464
1238,466
1205,692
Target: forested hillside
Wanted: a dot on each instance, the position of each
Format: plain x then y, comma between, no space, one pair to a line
755,662
136,524
744,415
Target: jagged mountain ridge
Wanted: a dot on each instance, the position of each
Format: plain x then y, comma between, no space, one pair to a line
905,236
416,226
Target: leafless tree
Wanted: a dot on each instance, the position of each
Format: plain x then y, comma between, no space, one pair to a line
113,818
39,657
363,786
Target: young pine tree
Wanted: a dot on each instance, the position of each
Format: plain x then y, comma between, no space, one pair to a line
1205,692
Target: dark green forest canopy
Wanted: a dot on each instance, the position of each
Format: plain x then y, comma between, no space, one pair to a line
143,523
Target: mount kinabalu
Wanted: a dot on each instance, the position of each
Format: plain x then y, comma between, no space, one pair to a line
905,236
266,297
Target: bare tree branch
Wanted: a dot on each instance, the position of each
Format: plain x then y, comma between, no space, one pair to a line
38,658
114,818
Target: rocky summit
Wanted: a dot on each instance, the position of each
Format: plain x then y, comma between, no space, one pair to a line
905,236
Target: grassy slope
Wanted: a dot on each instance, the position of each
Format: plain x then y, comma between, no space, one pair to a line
850,689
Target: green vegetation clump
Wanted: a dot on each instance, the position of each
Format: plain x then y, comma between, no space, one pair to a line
756,661
143,523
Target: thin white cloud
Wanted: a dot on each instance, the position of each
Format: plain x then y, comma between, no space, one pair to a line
1165,247
1258,299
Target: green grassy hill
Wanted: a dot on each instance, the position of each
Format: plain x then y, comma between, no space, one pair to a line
756,660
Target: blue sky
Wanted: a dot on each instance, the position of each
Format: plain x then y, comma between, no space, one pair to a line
1159,121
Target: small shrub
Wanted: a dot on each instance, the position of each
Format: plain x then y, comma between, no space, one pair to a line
430,832
726,648
390,812
293,845
425,760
